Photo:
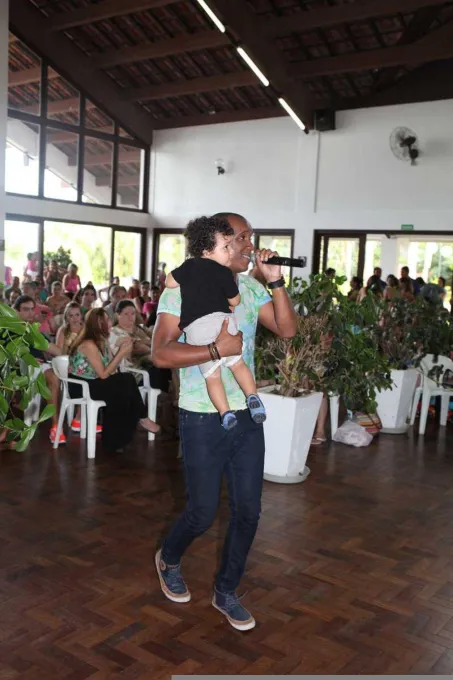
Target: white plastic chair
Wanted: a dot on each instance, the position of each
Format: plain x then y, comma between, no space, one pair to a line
89,407
334,404
149,394
431,388
31,413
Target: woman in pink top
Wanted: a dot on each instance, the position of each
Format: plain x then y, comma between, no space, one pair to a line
71,281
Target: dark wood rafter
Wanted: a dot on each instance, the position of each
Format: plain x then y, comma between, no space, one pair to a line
266,55
124,157
418,27
341,14
160,48
221,117
30,25
193,86
431,82
66,136
438,45
105,9
28,76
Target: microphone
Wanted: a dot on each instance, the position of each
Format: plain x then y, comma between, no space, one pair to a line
284,261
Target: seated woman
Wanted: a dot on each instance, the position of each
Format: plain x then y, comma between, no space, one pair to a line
134,290
144,297
374,286
392,289
71,281
407,289
140,357
356,284
57,302
66,336
91,360
86,298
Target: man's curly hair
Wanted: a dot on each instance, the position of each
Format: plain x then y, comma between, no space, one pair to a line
201,234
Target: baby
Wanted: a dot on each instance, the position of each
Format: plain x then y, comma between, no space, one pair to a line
209,295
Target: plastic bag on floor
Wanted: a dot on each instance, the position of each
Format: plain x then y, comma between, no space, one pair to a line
353,434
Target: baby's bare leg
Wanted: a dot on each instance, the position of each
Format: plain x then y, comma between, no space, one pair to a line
244,377
216,392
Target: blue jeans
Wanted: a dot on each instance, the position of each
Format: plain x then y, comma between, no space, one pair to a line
209,452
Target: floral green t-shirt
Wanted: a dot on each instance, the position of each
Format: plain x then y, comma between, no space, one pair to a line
193,395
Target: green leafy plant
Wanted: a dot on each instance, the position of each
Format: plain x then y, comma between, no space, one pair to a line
19,380
61,256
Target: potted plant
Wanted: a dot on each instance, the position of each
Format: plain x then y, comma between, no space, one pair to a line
19,381
293,401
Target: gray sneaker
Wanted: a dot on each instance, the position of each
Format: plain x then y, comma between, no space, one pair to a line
171,580
237,615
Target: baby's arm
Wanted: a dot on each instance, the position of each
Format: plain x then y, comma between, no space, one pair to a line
171,282
233,302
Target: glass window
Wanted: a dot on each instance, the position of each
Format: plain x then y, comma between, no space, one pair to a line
95,119
21,250
127,256
343,256
90,247
98,171
60,177
22,158
171,250
373,257
130,177
63,99
24,78
281,244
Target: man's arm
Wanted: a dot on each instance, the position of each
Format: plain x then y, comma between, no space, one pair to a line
167,352
279,316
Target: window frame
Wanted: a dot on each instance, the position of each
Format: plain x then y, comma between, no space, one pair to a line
40,221
82,131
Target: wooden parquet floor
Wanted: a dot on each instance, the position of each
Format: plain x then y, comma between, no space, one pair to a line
351,572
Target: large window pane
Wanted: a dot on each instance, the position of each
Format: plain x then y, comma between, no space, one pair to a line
130,177
22,154
127,256
63,99
373,257
60,178
282,244
95,119
170,249
24,78
98,171
21,246
343,256
90,247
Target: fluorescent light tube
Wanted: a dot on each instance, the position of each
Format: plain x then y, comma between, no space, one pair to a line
291,113
215,20
253,66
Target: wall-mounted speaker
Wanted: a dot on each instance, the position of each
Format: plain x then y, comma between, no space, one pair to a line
324,120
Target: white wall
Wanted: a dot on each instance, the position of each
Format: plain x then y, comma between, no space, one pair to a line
278,177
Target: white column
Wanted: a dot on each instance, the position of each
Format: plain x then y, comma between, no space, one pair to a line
4,32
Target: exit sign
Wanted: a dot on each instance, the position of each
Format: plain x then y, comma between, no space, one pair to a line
407,227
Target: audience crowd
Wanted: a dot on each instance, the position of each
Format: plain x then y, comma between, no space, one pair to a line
103,333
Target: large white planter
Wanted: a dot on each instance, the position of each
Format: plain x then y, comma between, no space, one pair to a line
394,405
288,432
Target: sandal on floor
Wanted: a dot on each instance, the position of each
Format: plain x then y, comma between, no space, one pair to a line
318,441
156,431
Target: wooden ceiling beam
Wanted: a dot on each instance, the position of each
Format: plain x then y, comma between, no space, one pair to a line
28,76
220,117
65,137
91,160
105,9
58,106
193,86
437,45
243,23
428,83
31,26
304,21
123,181
161,48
